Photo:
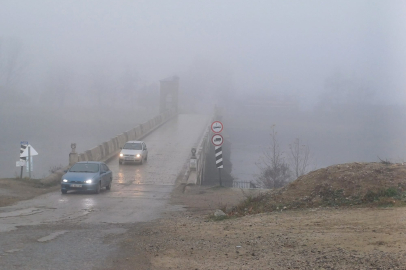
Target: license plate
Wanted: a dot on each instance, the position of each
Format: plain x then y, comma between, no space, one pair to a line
129,158
75,185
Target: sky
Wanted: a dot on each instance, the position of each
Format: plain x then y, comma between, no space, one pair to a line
304,50
288,47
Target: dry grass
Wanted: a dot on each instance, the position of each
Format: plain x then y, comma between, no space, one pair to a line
373,184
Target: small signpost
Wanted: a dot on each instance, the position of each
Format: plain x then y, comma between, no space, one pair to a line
26,153
217,140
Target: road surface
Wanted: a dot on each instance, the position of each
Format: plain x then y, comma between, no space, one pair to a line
78,230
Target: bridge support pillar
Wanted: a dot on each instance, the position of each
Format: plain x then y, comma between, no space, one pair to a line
169,91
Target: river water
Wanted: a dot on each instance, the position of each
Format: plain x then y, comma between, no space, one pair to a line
340,135
51,131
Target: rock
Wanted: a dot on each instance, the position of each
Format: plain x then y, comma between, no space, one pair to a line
219,213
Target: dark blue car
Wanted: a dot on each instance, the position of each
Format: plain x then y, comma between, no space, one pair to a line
87,176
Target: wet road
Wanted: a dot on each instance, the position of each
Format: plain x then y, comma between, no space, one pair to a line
77,230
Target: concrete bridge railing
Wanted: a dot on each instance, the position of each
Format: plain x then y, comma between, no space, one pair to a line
109,149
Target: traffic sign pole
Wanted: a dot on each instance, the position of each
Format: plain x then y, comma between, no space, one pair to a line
23,143
29,161
217,140
221,184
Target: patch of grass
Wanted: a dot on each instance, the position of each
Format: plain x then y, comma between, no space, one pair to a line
55,168
222,207
253,205
386,161
390,192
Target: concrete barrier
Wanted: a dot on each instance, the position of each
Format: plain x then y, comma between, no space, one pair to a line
138,132
110,145
106,149
122,139
96,153
89,156
131,135
110,149
116,143
82,157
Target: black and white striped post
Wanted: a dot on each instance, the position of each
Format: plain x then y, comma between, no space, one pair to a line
217,140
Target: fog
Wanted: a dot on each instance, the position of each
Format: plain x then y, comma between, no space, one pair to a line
336,68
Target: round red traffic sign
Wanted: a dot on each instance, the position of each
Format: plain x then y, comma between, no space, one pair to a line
217,127
217,140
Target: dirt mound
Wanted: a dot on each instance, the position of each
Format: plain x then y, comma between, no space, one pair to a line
338,185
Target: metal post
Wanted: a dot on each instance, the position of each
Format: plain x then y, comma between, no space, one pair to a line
220,177
21,173
29,162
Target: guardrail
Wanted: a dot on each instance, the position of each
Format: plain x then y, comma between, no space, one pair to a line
195,172
244,184
201,153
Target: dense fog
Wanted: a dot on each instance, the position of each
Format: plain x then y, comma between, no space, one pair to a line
328,72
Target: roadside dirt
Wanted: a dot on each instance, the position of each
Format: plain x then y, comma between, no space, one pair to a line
320,238
317,237
13,190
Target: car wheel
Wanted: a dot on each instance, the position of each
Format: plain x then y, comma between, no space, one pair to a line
97,191
64,191
109,186
146,157
142,161
120,162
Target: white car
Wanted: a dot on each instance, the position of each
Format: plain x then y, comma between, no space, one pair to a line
133,151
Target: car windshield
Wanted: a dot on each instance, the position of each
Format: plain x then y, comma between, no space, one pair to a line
133,146
85,167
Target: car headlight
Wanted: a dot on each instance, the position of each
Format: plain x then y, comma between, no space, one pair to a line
138,155
64,180
89,181
121,155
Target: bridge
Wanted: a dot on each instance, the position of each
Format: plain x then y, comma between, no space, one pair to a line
70,228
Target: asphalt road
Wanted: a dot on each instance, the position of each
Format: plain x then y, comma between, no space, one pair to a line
79,230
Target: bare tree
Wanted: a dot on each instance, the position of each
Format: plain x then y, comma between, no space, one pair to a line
59,84
275,172
12,64
102,86
299,157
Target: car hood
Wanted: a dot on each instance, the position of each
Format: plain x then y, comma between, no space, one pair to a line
79,176
130,152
